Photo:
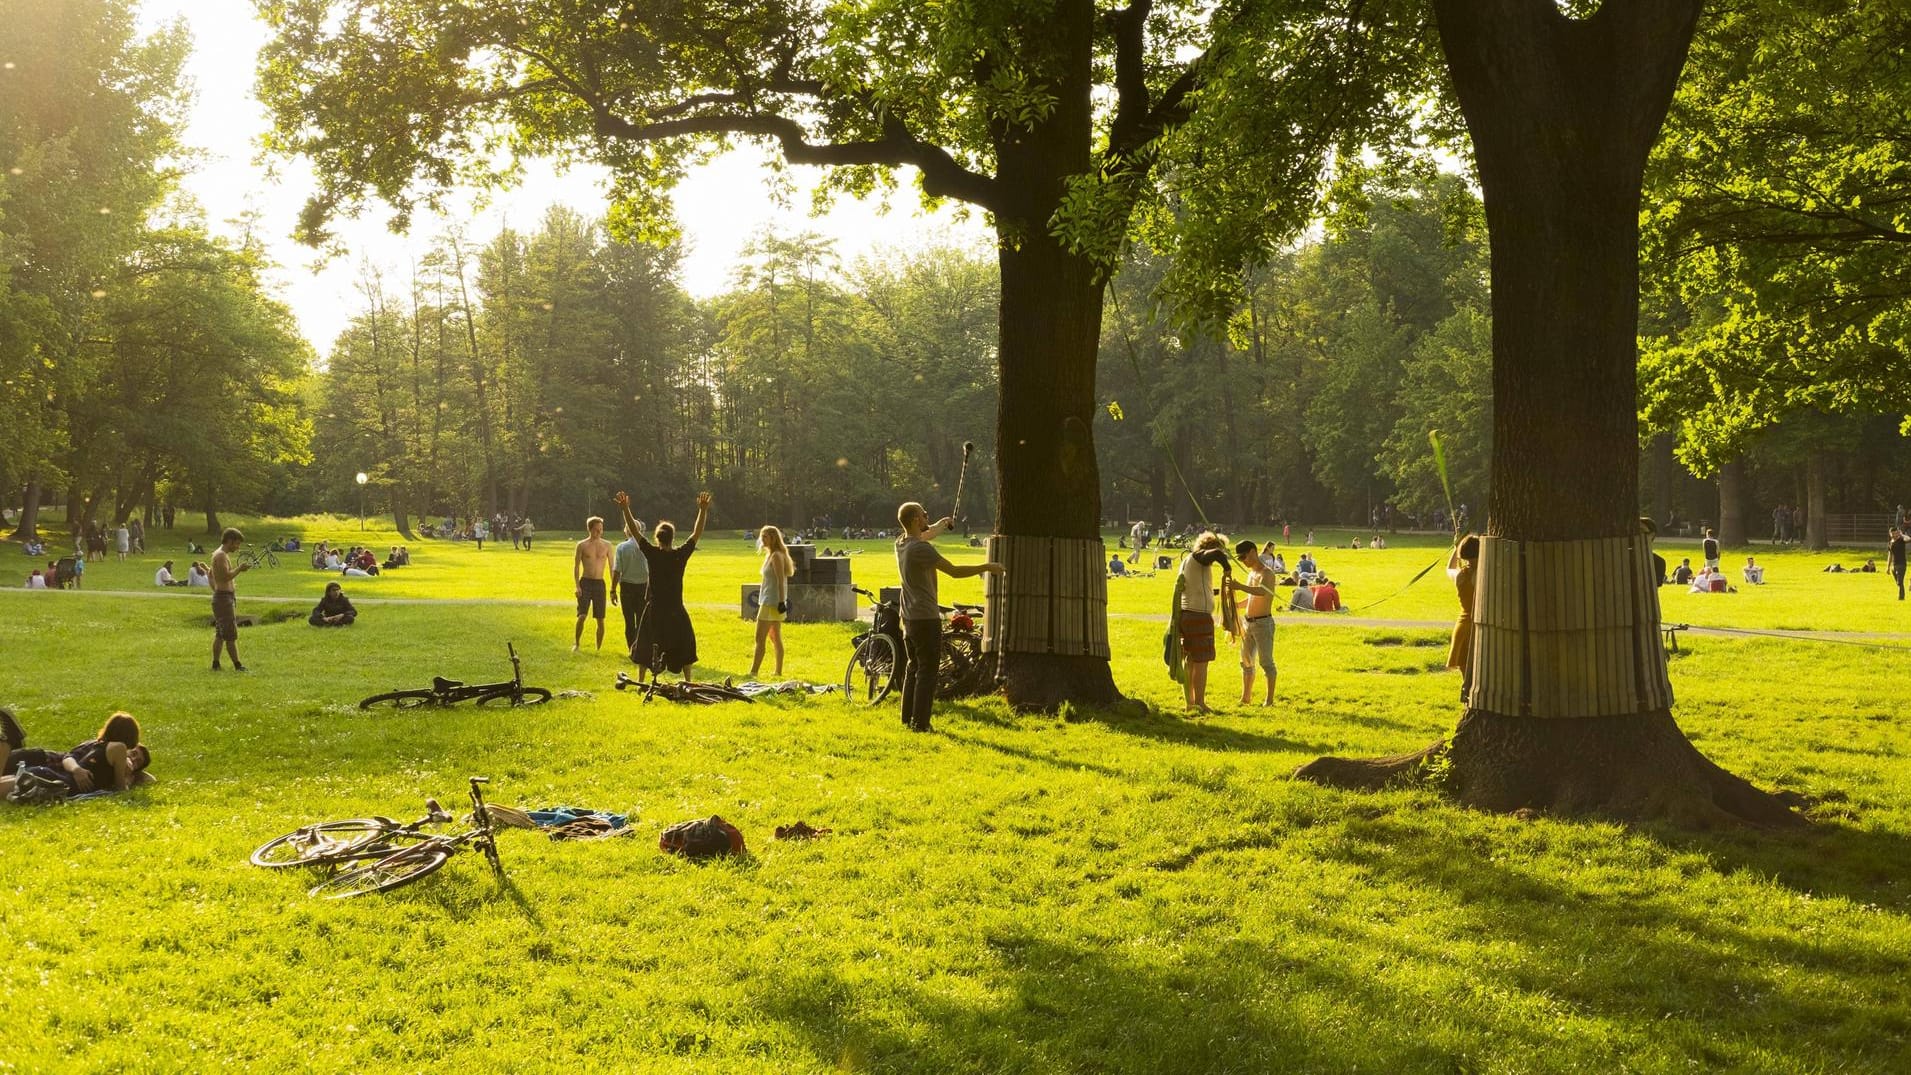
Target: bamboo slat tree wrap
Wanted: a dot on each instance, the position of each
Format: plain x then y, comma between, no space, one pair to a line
1053,597
1568,629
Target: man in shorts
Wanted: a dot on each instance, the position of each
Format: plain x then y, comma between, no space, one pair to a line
1257,622
588,568
225,598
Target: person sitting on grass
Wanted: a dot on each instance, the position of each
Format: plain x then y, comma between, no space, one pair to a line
1306,566
113,760
164,576
36,581
1303,598
1326,596
1753,573
334,609
198,575
1682,574
1270,556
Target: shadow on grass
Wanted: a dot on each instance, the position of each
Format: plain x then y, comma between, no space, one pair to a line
1865,866
1056,760
1164,727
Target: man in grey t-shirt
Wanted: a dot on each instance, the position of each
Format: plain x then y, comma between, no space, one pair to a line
917,562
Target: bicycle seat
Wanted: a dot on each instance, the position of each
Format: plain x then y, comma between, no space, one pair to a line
440,683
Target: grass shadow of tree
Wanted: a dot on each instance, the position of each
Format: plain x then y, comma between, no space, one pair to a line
1164,727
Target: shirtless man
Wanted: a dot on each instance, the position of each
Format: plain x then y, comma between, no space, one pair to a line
1257,622
225,598
588,568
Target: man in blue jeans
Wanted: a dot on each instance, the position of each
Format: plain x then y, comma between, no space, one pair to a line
917,561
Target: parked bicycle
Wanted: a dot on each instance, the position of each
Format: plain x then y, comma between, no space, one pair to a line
400,853
692,693
875,666
443,692
254,558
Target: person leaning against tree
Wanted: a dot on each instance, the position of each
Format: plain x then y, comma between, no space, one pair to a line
1463,568
917,562
225,598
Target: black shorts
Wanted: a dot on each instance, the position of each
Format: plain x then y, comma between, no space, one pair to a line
591,597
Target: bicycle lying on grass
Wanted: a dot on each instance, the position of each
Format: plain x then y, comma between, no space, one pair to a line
450,691
876,665
693,693
400,852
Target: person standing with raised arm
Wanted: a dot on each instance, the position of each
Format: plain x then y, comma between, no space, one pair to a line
665,635
629,575
917,562
588,567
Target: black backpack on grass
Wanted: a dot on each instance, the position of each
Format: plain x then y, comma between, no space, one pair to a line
701,839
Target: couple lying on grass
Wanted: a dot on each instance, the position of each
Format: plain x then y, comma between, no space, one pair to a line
114,760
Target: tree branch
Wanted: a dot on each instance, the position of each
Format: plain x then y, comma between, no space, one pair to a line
942,175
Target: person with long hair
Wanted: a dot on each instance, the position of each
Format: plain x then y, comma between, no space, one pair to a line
1463,568
110,761
665,636
772,597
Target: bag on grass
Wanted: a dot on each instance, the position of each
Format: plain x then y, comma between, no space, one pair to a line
701,839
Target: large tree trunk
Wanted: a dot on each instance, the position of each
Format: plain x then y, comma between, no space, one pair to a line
1732,504
29,528
1570,703
212,514
1815,535
1048,617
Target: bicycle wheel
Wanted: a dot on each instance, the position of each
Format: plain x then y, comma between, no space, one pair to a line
871,674
271,559
525,696
384,875
952,670
329,841
399,700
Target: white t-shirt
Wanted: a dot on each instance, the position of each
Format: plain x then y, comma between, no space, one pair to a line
36,581
162,577
1197,585
196,577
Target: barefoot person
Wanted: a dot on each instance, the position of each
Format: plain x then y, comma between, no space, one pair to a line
225,598
917,561
772,597
588,567
1257,622
1196,619
665,636
1462,568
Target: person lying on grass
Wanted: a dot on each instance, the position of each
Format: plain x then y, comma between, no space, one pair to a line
110,761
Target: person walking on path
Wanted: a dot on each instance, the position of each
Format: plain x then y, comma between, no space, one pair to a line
630,578
225,597
772,597
1463,568
917,562
1894,557
1257,622
665,636
589,565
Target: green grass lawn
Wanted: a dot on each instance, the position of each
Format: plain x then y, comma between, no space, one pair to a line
1023,894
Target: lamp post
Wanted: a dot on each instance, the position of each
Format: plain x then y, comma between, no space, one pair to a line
362,479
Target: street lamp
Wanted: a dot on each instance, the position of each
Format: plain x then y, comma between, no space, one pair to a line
362,479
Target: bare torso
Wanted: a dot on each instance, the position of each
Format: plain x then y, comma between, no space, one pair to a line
594,557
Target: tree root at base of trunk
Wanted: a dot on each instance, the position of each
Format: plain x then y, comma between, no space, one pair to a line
1041,682
1638,767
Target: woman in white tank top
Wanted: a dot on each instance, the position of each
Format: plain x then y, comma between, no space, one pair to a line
773,596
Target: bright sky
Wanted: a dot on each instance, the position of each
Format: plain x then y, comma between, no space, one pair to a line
721,206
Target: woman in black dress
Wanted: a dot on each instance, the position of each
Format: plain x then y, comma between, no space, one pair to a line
665,637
